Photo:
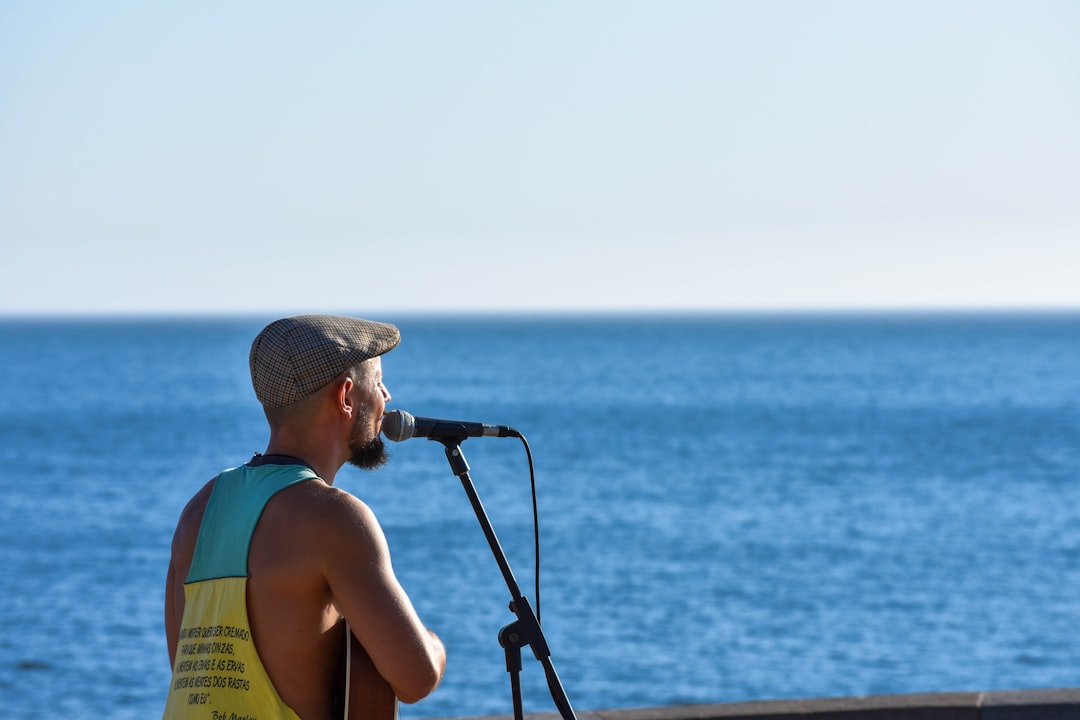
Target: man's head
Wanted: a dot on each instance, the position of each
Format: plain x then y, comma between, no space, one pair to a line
311,370
293,358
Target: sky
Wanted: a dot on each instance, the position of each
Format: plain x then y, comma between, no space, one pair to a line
605,155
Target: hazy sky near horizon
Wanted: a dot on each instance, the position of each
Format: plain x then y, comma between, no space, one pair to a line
610,154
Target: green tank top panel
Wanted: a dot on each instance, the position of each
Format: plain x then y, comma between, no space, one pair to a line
234,508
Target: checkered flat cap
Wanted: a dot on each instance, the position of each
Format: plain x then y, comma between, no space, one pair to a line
293,357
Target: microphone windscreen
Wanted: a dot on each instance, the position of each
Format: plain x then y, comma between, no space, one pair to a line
398,425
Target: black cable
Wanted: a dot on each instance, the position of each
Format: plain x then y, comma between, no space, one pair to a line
536,524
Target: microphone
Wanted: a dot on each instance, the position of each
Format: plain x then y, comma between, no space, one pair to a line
398,425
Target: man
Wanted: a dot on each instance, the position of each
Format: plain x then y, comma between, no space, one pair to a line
272,566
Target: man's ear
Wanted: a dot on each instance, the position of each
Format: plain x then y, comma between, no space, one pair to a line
341,395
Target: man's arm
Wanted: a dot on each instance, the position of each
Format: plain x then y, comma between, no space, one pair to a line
182,550
382,617
172,627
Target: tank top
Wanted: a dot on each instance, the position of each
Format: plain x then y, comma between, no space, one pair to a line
217,672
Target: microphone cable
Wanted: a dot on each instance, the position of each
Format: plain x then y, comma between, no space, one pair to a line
536,525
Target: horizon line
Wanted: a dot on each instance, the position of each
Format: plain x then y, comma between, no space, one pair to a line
541,312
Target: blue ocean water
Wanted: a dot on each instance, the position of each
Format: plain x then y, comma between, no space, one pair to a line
731,507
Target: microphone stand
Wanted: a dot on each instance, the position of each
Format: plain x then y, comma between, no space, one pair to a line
526,629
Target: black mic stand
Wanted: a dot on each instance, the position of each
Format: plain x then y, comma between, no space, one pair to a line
526,629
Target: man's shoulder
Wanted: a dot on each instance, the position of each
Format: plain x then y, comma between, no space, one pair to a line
320,494
191,515
187,526
324,508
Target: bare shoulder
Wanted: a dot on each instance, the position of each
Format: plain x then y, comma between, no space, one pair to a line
187,527
327,501
329,516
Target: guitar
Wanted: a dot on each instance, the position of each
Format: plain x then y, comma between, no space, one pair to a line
369,696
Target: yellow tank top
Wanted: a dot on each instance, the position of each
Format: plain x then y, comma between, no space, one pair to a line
217,674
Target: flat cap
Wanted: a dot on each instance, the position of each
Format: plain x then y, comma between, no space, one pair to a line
293,357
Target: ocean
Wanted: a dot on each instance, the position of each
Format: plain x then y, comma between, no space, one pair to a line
731,507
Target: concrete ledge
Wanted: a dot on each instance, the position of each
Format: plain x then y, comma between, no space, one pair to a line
1061,704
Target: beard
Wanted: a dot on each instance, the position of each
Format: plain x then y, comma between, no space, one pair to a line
367,453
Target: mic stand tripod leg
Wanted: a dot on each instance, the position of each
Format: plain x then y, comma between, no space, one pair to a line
510,641
526,630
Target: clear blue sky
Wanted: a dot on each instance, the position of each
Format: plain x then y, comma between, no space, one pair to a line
268,156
